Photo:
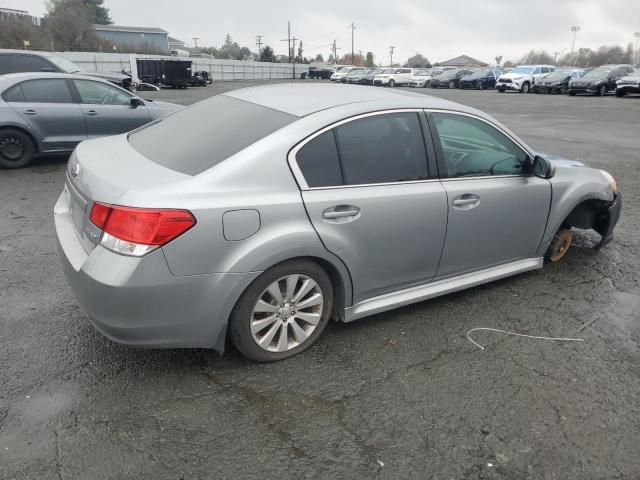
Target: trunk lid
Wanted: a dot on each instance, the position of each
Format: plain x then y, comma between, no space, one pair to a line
104,170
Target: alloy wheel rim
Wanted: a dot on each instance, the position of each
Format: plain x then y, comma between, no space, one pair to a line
11,148
287,313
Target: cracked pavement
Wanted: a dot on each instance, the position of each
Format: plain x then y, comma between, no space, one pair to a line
402,394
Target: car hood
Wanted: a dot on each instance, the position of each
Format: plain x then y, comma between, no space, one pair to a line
168,107
560,161
633,78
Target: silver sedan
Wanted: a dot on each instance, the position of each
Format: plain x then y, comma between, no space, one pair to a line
260,214
42,113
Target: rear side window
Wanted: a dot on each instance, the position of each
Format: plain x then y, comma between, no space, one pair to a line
385,148
50,90
201,136
13,94
8,64
33,63
319,161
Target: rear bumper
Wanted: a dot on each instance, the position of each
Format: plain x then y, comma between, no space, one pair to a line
611,219
138,301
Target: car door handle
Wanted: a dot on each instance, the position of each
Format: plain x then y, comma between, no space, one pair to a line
466,201
341,211
92,113
30,112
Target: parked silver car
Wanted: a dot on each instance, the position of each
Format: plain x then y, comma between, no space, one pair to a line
42,113
329,202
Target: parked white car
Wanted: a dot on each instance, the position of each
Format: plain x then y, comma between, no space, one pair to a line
628,84
523,77
422,78
340,73
392,77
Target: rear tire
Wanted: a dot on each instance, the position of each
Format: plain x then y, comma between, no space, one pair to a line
392,83
16,148
243,316
479,85
620,93
525,87
501,90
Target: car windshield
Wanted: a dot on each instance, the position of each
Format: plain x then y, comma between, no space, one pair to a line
523,70
597,74
558,75
421,73
389,70
64,64
357,70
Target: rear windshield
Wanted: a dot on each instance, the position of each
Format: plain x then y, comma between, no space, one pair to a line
197,138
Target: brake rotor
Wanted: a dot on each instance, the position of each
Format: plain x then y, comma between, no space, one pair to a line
560,245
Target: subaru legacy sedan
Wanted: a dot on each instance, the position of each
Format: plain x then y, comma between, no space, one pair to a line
328,203
43,113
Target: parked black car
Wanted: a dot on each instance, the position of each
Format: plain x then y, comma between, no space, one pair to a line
450,78
600,80
200,79
557,81
481,79
320,73
19,61
367,79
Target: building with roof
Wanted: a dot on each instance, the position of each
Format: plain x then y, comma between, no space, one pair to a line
150,39
11,13
463,61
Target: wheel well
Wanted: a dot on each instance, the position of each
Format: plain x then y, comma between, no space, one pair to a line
26,132
587,215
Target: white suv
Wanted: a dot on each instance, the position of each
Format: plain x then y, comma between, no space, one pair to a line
391,77
628,84
523,77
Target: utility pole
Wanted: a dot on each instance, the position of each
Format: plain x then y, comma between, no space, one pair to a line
353,28
555,57
637,35
259,44
195,41
391,49
288,40
575,29
335,53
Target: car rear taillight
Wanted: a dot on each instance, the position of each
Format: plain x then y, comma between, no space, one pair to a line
138,231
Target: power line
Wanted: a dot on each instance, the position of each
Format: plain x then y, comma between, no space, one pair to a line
259,43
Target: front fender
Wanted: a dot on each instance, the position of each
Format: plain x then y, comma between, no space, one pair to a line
570,187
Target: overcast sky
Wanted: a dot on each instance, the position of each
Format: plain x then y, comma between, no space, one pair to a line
438,29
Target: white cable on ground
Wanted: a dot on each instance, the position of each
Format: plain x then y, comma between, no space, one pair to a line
518,335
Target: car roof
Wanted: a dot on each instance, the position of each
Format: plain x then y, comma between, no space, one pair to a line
305,99
28,52
34,75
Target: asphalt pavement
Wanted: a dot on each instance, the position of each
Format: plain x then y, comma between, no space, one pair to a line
400,395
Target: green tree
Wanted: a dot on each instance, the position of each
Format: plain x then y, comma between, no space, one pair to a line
319,58
266,54
369,60
68,24
300,50
99,14
418,61
535,57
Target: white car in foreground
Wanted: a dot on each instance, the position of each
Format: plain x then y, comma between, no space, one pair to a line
523,77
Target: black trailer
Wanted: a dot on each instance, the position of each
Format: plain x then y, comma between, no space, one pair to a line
164,72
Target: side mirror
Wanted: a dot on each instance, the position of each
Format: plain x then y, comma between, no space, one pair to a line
543,168
136,102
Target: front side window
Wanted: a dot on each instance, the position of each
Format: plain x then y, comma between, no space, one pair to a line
33,63
473,148
49,90
96,93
